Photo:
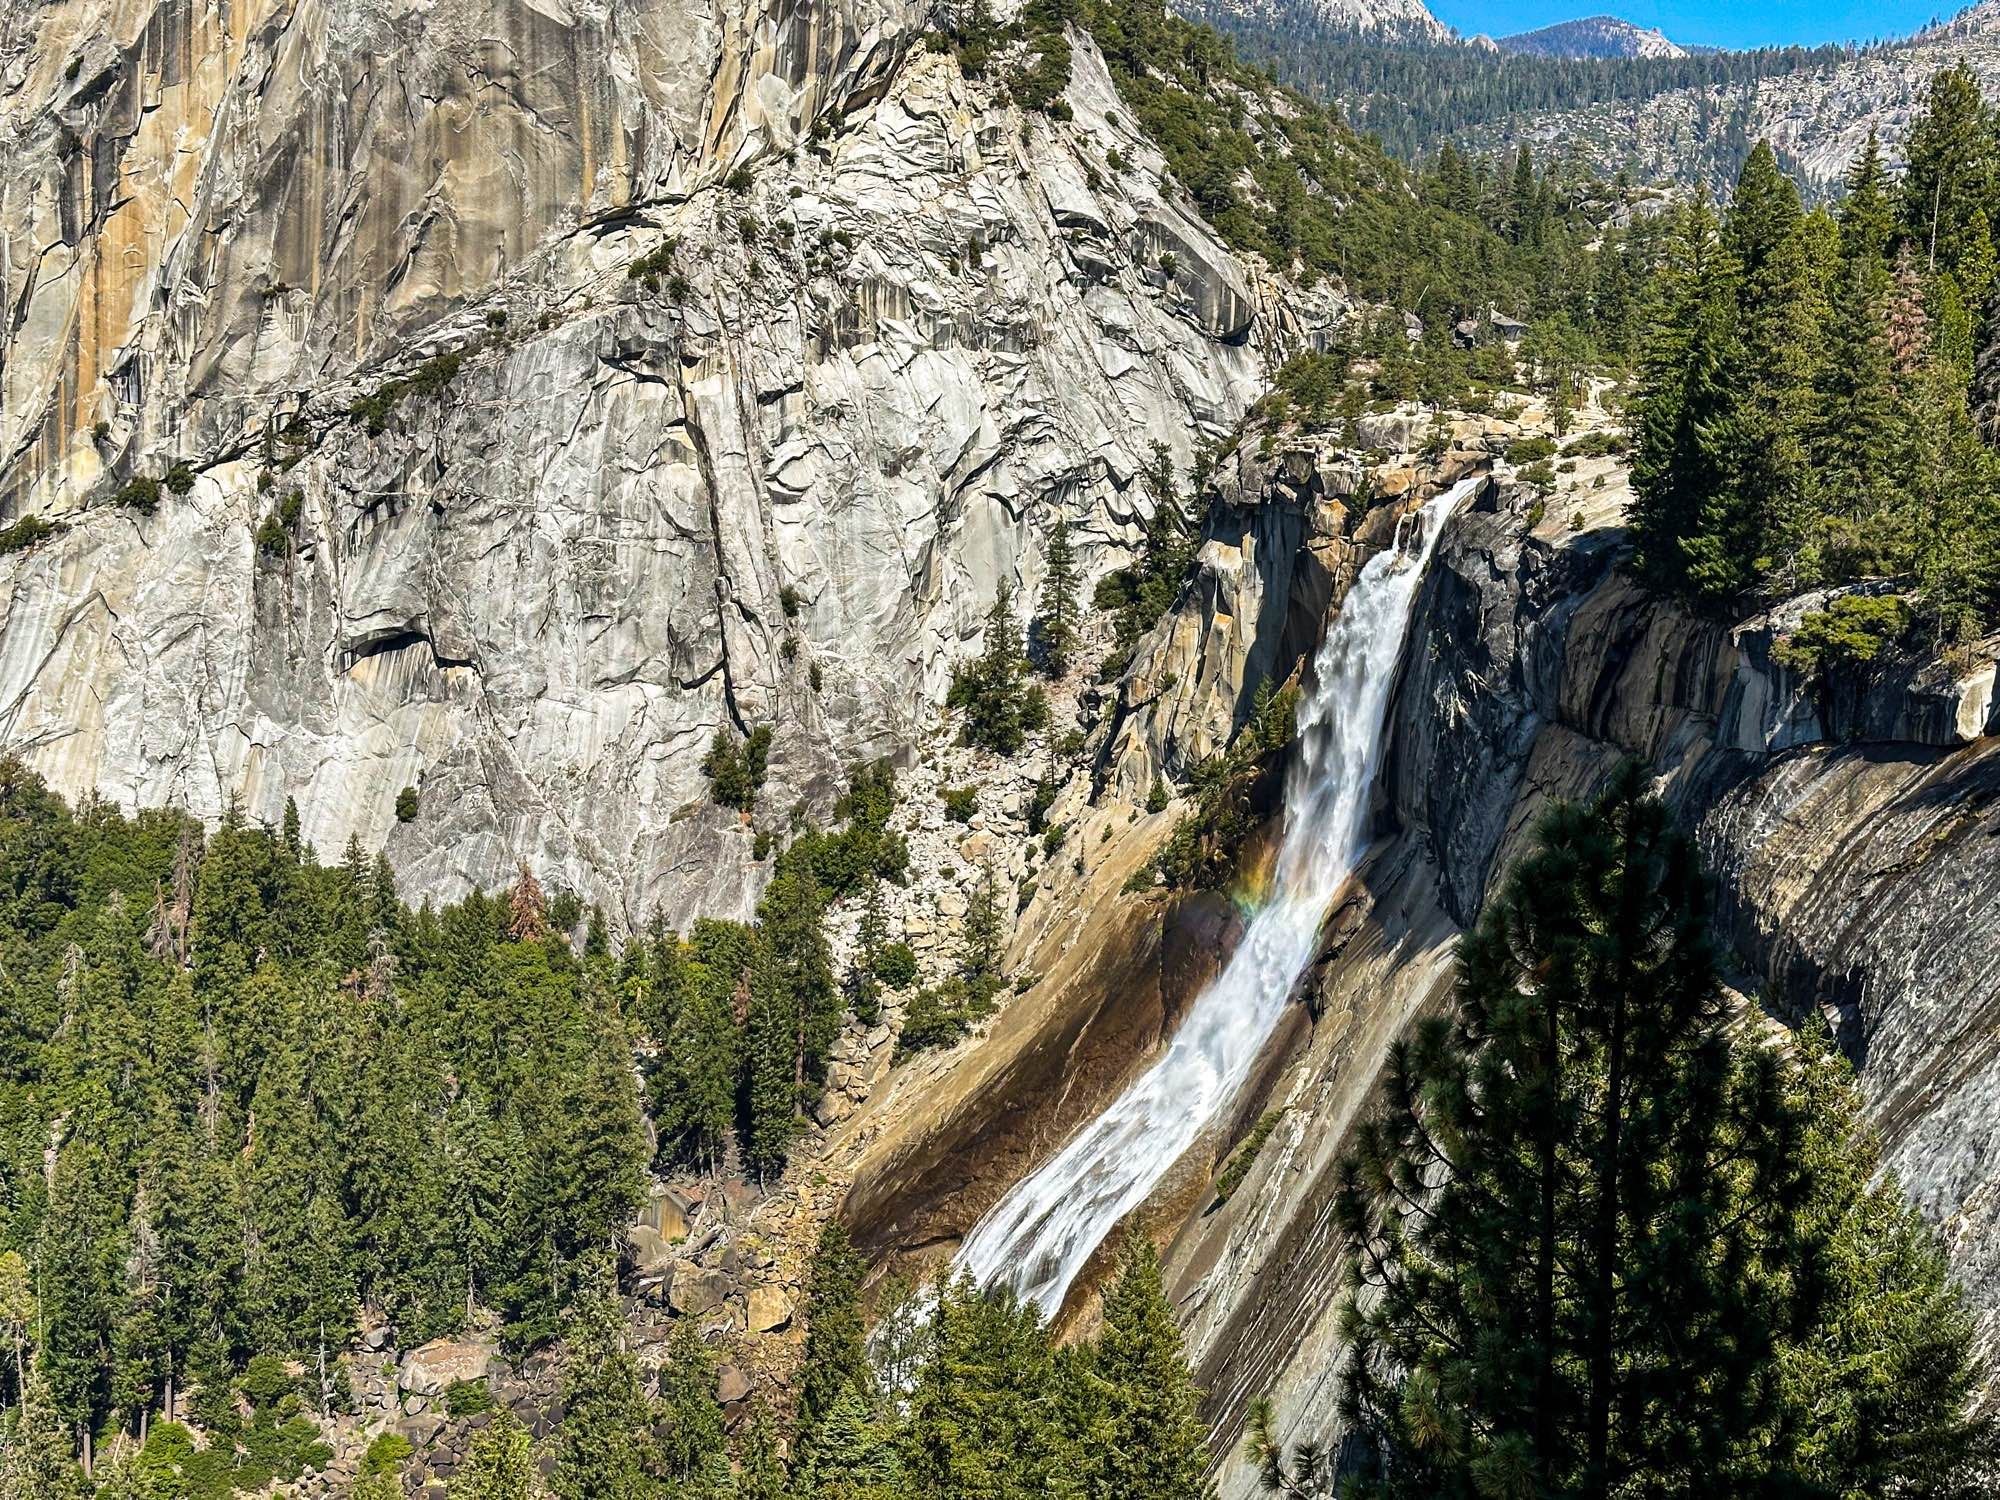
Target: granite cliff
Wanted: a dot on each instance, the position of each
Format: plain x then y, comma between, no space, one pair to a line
496,401
536,524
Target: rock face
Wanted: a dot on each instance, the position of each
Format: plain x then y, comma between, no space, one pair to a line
1850,833
1289,524
900,329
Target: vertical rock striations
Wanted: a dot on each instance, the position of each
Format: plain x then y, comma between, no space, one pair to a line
454,502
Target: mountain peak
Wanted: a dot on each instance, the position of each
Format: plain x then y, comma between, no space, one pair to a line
1594,36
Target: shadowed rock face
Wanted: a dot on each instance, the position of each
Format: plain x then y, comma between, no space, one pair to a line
1857,876
874,373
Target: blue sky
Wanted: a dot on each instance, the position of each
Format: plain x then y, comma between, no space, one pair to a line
1717,23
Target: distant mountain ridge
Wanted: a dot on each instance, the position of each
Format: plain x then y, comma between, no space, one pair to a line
1593,36
1388,20
1817,116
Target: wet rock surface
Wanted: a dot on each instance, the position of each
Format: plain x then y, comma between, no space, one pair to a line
1850,826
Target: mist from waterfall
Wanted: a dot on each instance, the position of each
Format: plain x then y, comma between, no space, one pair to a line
1038,1237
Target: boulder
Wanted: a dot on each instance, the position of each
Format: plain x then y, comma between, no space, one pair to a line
697,1290
428,1369
731,1385
769,1309
650,1253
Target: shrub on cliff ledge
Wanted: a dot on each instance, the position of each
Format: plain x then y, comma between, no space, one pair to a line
736,771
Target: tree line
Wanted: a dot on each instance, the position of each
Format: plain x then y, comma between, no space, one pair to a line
247,1095
1805,410
1414,98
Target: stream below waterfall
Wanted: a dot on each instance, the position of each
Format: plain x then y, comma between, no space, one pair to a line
1038,1237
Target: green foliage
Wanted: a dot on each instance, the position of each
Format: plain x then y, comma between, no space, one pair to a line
655,263
426,382
1541,476
1201,852
736,769
28,532
1000,707
1529,450
604,1449
444,1116
467,1398
1593,1217
141,494
939,1016
960,802
1141,1436
1848,632
1245,1156
863,850
180,479
386,1454
897,967
1311,384
36,1463
1057,631
1138,596
406,805
499,1464
1804,412
835,1360
692,1453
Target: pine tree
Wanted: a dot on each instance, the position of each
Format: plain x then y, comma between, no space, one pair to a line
604,1447
694,1457
980,1415
1866,218
1572,1203
527,909
1950,498
1001,708
694,1082
835,1357
864,987
1949,168
1145,1439
1884,1380
1685,447
500,1464
1056,632
762,1475
1780,314
17,1313
1582,1264
1909,318
1859,429
983,950
846,1455
36,1463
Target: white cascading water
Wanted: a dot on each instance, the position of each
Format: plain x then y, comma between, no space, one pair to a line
1038,1237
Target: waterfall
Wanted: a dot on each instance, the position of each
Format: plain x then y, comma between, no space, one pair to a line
1040,1234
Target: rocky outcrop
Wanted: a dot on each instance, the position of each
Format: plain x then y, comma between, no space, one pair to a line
1291,516
895,328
